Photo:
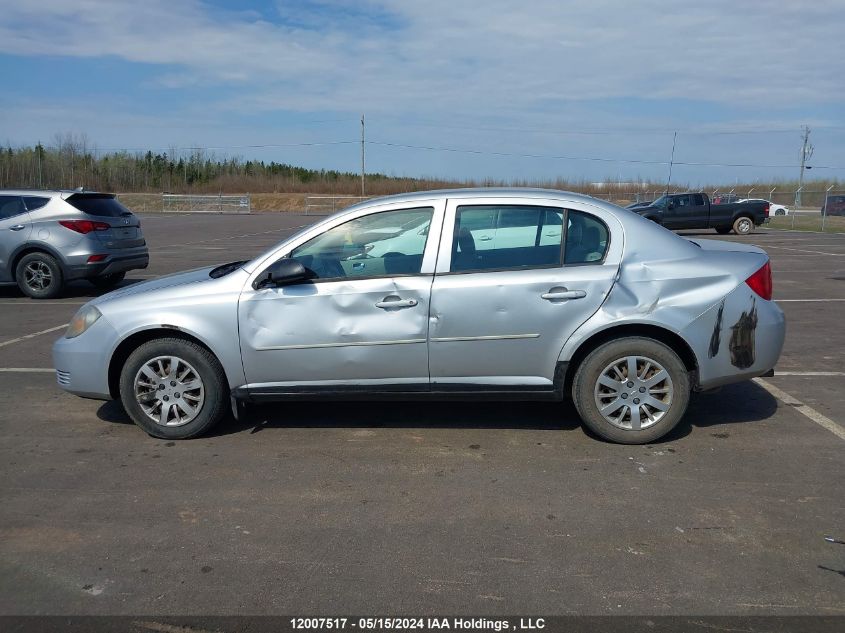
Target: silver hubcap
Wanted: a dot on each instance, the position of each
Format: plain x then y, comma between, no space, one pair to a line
744,226
37,275
633,393
169,390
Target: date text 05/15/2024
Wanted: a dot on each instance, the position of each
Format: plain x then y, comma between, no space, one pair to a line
411,623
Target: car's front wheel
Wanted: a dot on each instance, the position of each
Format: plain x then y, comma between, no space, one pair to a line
631,390
173,388
39,276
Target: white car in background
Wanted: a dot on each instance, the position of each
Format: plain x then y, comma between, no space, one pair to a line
774,209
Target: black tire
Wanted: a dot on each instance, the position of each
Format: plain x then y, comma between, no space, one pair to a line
107,281
593,366
39,276
723,230
212,409
743,225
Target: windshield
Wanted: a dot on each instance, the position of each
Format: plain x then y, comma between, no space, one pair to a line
660,202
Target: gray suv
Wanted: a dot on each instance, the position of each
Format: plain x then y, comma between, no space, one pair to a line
48,238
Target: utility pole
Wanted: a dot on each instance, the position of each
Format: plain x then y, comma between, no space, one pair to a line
362,156
806,153
671,162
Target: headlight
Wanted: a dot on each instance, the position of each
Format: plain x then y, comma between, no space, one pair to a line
82,320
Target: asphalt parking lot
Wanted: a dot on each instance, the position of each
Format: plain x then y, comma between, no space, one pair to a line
400,508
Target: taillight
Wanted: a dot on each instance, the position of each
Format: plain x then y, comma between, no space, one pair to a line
766,210
84,226
761,282
93,259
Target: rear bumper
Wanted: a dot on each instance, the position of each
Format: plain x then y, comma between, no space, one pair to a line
738,339
135,259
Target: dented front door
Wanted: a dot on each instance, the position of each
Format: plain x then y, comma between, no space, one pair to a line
337,334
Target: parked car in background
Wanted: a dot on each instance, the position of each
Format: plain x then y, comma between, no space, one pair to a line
774,209
48,238
473,293
694,211
637,205
834,205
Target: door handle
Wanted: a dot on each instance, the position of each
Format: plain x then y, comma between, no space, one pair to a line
558,295
484,238
389,303
17,227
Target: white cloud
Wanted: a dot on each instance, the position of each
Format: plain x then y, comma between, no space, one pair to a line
495,55
538,64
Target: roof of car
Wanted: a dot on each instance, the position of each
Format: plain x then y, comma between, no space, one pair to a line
51,193
474,192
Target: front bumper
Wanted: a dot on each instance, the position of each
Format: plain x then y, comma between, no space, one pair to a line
82,363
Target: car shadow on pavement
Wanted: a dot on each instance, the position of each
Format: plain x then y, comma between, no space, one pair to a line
73,290
735,404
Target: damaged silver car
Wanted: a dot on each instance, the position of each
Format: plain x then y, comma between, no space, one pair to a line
473,293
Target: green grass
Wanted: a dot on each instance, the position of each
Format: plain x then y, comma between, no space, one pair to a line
807,222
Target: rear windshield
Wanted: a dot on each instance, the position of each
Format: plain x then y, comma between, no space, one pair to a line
101,204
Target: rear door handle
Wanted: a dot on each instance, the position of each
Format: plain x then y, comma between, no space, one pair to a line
563,294
391,302
17,227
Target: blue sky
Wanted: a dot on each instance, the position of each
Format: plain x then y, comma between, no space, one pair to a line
530,90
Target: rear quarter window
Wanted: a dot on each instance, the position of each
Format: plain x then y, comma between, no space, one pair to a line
35,202
587,239
102,205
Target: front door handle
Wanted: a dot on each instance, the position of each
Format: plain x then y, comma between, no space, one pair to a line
17,227
484,238
396,302
556,294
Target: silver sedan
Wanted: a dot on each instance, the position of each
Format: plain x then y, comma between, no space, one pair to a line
473,293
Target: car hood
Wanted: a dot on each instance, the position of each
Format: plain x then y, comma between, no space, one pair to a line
197,275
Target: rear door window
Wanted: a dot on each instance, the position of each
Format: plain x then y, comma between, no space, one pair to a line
524,237
103,205
10,206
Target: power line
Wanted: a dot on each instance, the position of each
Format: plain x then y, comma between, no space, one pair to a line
589,158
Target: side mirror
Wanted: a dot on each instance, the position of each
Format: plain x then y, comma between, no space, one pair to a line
282,273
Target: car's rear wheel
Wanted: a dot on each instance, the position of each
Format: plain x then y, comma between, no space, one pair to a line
107,281
631,390
743,225
39,276
723,230
173,388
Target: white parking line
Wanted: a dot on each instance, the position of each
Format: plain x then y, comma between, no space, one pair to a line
27,302
806,300
33,335
26,370
798,250
810,373
803,409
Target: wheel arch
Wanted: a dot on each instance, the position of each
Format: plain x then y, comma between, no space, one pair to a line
33,247
135,340
669,338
